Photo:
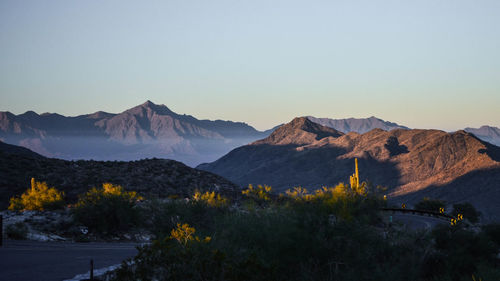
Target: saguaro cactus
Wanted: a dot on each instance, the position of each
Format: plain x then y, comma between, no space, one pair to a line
355,177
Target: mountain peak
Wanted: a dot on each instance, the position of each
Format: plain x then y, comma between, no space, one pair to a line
159,109
148,103
299,131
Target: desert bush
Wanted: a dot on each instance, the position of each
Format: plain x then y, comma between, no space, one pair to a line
210,198
39,197
467,210
108,210
260,194
17,231
432,205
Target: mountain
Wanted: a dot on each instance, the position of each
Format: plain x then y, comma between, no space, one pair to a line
486,133
411,163
157,177
145,131
361,125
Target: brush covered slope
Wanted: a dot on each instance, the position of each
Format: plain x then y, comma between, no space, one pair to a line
155,177
455,167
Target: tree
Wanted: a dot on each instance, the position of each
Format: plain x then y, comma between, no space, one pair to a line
467,210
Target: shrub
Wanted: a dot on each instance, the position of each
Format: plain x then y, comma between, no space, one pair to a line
432,205
259,194
184,234
467,210
108,210
462,251
299,194
210,198
17,231
38,198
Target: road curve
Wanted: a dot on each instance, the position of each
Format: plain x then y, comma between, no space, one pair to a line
416,221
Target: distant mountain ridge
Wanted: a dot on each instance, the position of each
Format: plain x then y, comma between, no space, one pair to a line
486,133
145,131
455,167
358,125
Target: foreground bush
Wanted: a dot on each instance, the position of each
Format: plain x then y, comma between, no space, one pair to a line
38,198
108,210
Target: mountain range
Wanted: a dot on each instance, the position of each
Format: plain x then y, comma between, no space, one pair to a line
486,133
358,125
455,167
156,177
145,131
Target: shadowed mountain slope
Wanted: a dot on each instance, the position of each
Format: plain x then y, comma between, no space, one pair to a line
406,161
145,131
158,177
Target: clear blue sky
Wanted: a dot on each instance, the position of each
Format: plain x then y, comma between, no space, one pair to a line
425,63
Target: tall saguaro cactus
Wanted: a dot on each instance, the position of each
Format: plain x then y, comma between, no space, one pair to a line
355,177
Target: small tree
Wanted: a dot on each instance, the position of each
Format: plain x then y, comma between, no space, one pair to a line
38,198
467,210
432,205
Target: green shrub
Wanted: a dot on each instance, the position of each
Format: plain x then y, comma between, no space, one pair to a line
108,210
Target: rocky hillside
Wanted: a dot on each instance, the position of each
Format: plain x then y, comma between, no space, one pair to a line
411,163
157,177
358,125
145,131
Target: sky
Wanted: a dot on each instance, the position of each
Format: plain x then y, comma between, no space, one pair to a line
422,64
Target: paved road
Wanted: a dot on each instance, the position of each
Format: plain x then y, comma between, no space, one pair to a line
40,261
417,221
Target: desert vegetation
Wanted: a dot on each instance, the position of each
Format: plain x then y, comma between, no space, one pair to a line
38,198
334,233
108,209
